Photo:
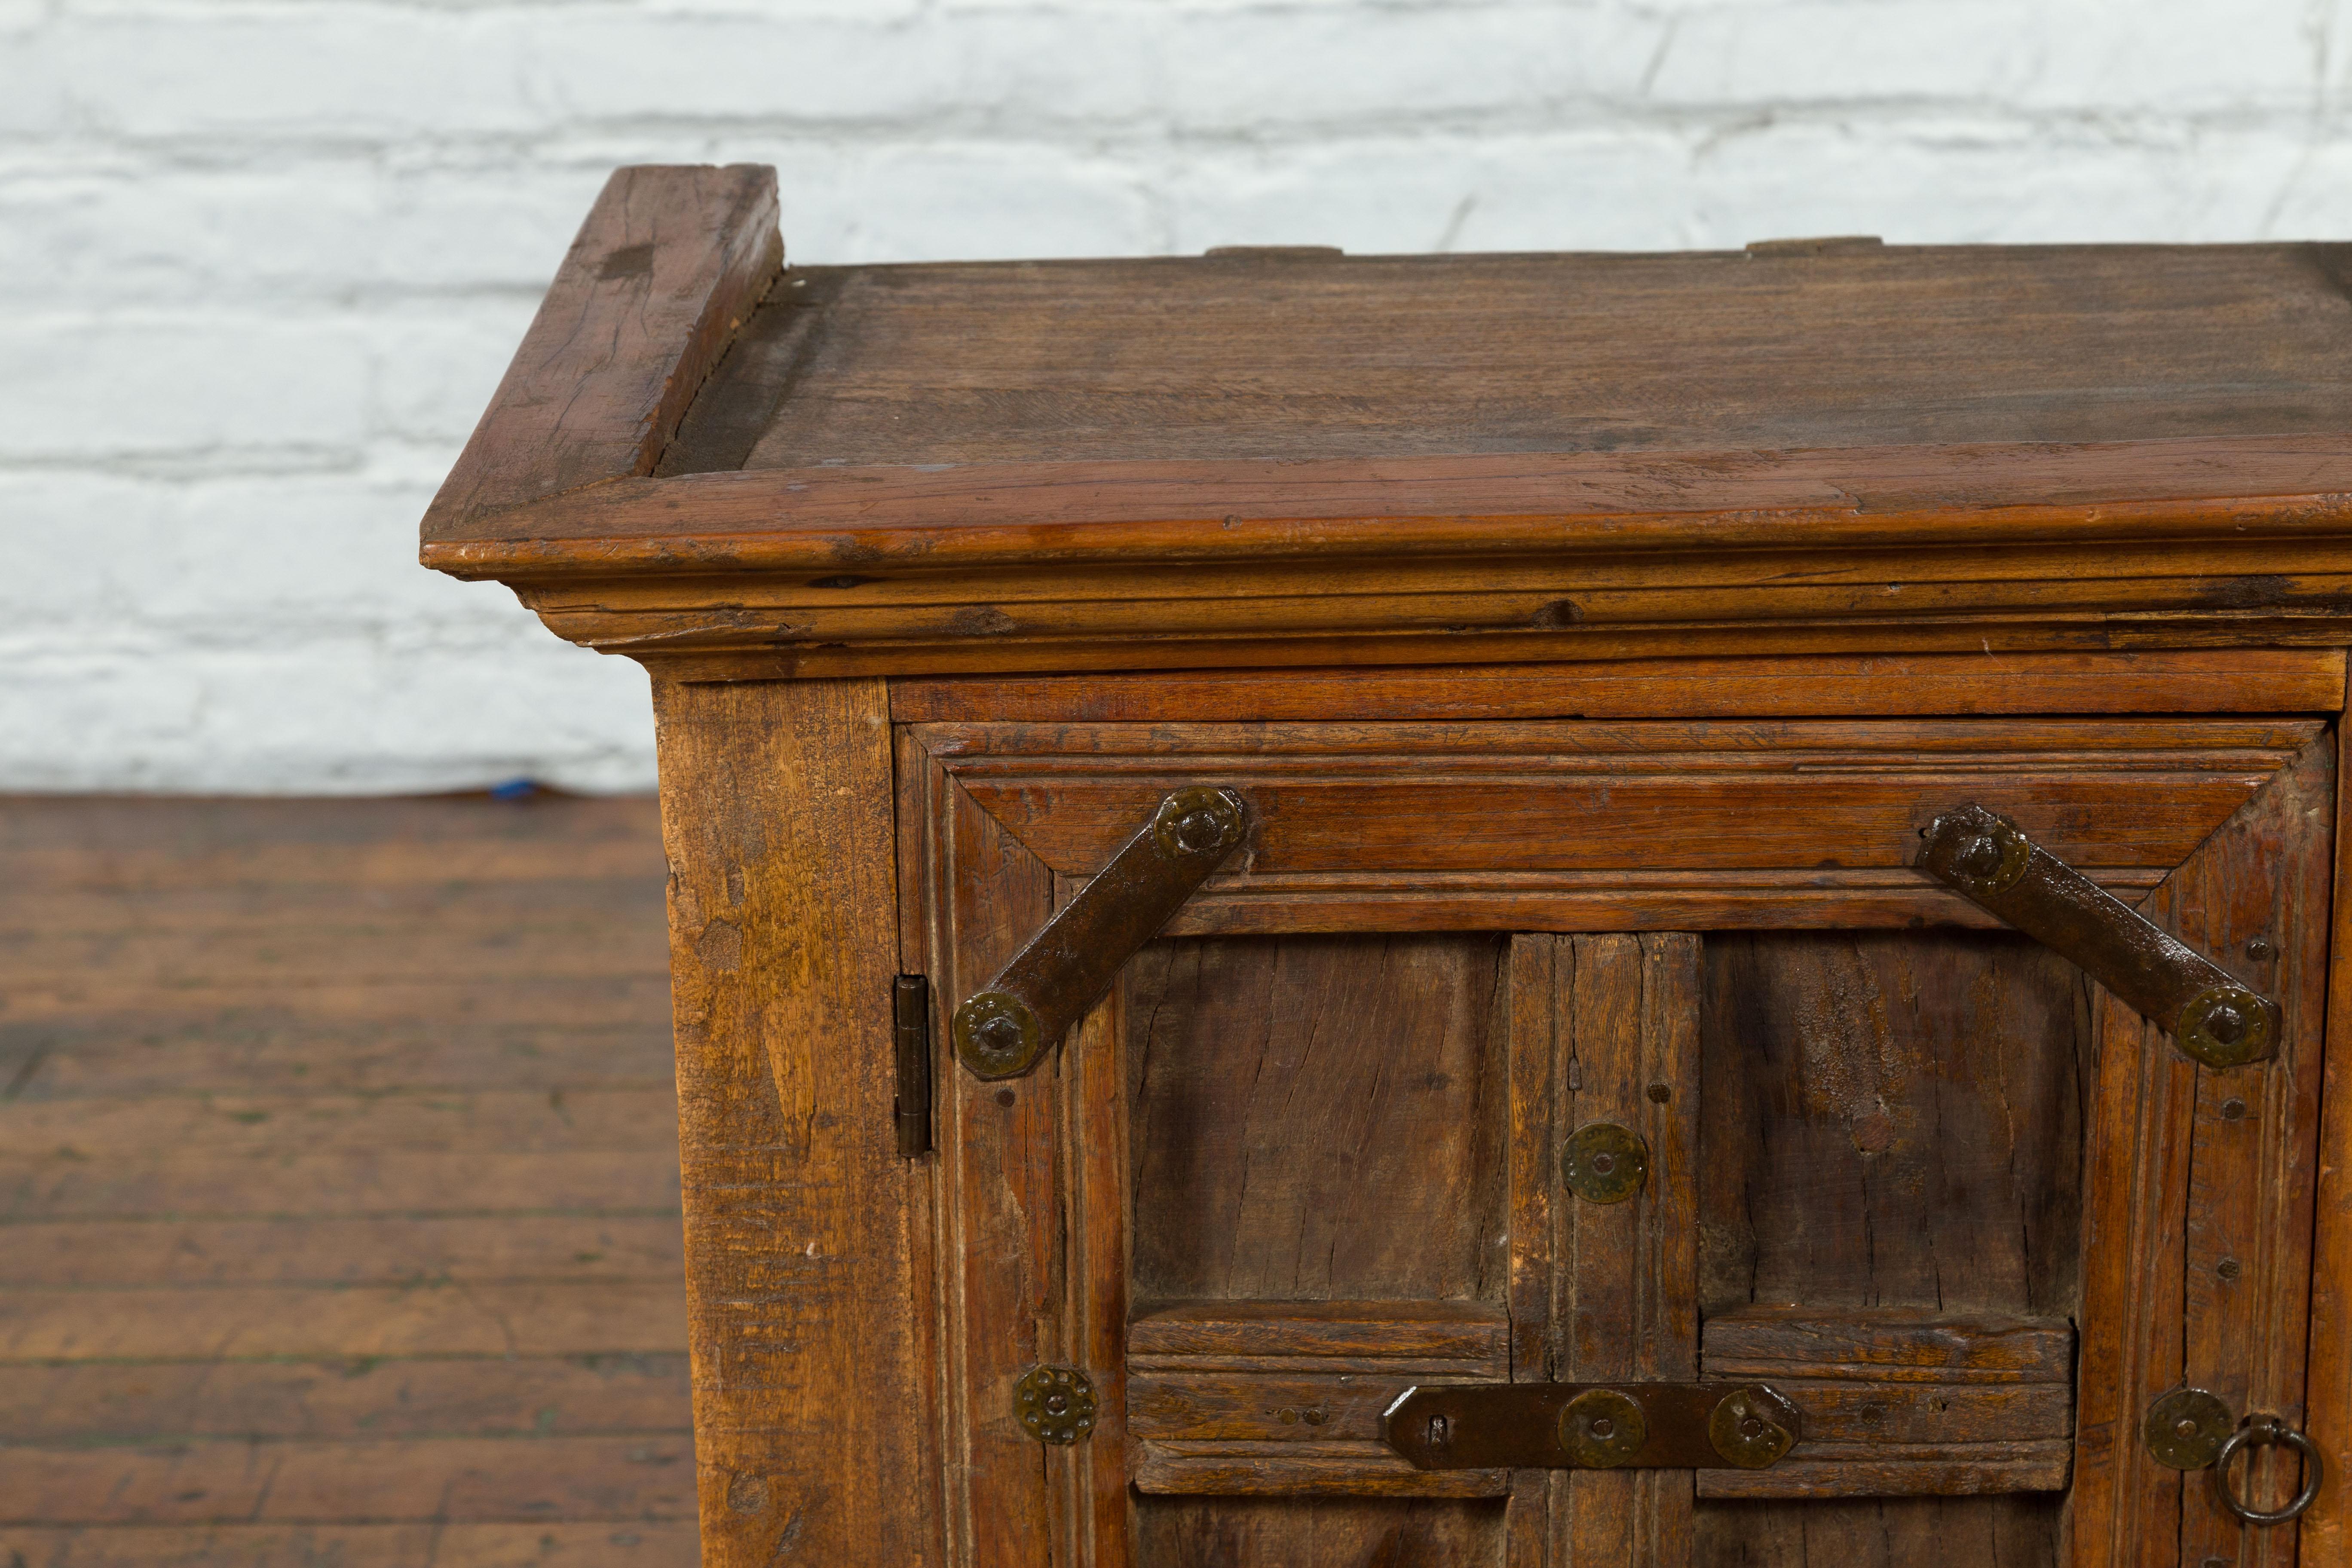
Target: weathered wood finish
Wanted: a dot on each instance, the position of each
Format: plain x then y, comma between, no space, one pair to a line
1284,355
2226,572
801,1255
1285,1398
668,264
2186,1167
1621,598
1318,1169
2327,1527
2218,681
1604,1028
1340,1533
1589,825
1004,1201
1893,1123
994,468
1880,1532
1313,1119
1902,1402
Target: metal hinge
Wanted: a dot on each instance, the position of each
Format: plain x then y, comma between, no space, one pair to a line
910,1020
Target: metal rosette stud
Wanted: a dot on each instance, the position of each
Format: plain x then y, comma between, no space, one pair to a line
1055,1403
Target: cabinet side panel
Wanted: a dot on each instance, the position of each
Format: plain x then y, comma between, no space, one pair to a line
776,809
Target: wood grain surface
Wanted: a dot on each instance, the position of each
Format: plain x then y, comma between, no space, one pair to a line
1314,1118
1589,825
1894,1121
2328,1527
1394,356
784,939
1902,1402
341,1216
2218,680
1435,459
885,592
1343,1532
2198,1194
1285,1397
1603,1029
666,268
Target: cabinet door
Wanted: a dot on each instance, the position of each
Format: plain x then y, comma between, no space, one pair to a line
1969,1215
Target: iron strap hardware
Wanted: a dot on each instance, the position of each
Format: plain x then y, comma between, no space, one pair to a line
910,1030
2191,1429
1591,1425
1002,1029
2209,1016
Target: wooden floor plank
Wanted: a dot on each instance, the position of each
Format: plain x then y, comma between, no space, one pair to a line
224,1123
231,1322
488,1480
263,1051
331,996
339,1214
388,1181
635,1544
174,1402
468,1250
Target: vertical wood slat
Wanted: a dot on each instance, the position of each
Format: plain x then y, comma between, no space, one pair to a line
1094,1119
1000,1221
1604,1028
802,1278
2179,1181
2327,1527
1030,1216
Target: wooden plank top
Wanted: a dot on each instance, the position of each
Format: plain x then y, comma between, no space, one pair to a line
1275,458
1284,355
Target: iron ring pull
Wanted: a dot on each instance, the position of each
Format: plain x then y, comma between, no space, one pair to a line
2256,1432
1002,1029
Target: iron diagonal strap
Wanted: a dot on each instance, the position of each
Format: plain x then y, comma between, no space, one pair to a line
1004,1028
1591,1425
2209,1014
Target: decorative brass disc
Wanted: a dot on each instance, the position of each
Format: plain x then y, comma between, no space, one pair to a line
1055,1403
1601,1428
2186,1428
1752,1427
2225,1027
996,1034
1199,819
1993,857
1605,1163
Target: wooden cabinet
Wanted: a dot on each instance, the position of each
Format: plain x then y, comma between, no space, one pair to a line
1587,642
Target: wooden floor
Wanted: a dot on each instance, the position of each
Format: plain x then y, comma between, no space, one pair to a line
339,1214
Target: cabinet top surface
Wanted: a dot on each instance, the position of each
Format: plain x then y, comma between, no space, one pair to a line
1273,354
701,456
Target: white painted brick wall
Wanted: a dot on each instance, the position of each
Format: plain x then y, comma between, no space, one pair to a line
262,261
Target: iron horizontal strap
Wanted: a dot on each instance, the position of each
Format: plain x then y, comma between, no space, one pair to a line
2209,1016
1591,1425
